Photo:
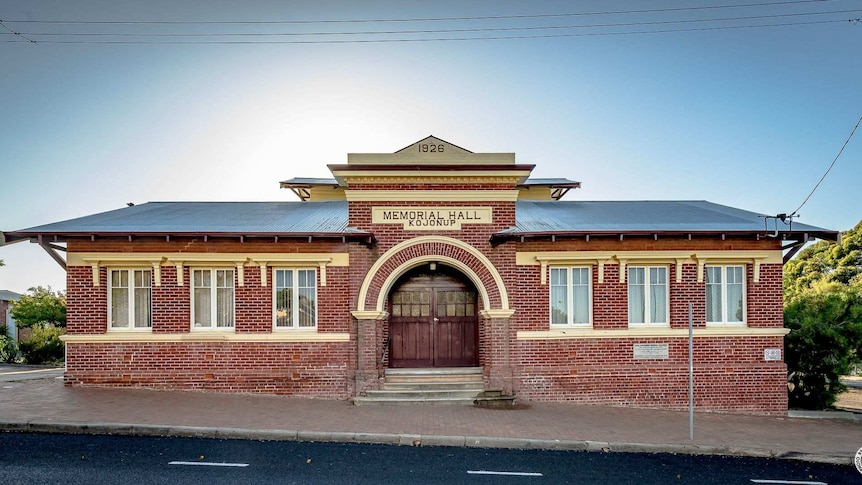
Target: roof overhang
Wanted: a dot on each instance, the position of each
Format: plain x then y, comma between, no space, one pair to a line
792,237
343,172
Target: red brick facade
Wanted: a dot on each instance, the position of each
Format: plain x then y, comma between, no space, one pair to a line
596,365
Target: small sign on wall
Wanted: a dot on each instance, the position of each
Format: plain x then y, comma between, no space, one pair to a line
650,351
771,354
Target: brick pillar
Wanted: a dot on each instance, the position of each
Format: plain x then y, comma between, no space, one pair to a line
500,361
368,366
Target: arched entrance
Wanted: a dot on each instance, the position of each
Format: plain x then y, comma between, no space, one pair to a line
433,319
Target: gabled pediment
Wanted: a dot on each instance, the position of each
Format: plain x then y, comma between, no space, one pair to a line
432,144
431,151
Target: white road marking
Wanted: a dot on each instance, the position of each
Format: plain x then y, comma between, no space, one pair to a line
17,372
787,482
511,474
205,463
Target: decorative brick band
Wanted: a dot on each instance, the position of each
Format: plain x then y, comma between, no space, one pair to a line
411,253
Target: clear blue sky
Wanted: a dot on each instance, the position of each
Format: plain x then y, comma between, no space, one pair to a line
746,117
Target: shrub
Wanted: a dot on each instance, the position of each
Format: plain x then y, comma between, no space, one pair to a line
8,349
823,344
43,346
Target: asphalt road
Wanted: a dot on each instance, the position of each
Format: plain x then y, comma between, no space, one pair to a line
70,459
15,372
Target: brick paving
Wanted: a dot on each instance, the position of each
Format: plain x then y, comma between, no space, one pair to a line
47,401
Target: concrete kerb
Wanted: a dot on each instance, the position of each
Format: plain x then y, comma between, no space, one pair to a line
126,429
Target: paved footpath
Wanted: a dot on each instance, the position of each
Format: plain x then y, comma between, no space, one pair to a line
46,405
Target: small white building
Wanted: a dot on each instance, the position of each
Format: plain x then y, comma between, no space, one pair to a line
6,299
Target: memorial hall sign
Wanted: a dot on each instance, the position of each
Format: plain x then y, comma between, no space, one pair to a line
424,218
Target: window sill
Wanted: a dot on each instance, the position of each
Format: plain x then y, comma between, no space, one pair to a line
215,337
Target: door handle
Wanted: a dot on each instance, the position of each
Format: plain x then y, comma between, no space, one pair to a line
436,319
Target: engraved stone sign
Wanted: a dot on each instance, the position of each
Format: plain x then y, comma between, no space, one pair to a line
425,218
650,351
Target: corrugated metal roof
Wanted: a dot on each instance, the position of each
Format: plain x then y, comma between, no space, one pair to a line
332,181
642,216
310,181
548,181
241,218
331,218
6,295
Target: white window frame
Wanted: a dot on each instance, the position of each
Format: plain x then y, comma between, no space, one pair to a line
570,297
724,294
295,299
132,308
647,288
213,299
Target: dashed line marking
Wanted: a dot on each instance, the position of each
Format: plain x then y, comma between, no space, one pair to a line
787,482
208,463
510,474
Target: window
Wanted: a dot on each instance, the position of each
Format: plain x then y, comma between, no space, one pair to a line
648,295
212,298
295,298
129,297
570,296
725,290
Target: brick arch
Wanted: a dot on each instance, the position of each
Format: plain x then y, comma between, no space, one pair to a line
406,255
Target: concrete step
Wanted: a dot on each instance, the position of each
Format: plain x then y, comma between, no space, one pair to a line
440,371
433,385
376,401
425,394
494,398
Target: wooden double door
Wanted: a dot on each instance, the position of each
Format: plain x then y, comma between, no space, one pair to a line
433,322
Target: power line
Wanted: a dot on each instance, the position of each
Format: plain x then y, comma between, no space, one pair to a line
828,169
432,31
434,39
15,33
418,19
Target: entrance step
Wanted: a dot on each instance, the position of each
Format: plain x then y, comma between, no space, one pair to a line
449,385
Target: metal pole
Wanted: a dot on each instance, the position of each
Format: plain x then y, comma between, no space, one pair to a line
690,374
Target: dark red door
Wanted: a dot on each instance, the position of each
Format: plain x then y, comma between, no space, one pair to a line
433,323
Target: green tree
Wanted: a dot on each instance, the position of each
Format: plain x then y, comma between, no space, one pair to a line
42,307
826,331
825,262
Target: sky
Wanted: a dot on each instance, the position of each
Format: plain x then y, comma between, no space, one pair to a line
666,104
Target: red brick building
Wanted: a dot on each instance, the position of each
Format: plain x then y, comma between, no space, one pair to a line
432,257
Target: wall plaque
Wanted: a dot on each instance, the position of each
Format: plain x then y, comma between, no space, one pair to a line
771,354
427,218
650,351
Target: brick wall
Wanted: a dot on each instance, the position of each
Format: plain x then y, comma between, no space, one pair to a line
307,369
730,372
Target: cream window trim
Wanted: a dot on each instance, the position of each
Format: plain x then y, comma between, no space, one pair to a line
125,262
755,260
652,332
205,337
298,261
626,258
212,260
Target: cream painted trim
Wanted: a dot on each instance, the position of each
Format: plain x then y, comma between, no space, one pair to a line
111,259
496,313
370,315
424,175
369,277
154,261
624,258
589,333
203,337
431,195
181,260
